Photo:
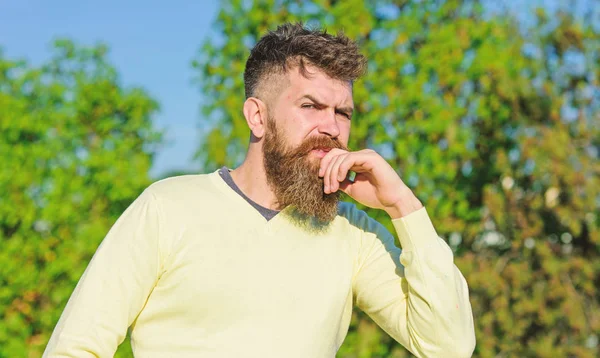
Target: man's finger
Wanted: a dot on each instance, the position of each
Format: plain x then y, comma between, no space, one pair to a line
327,174
327,158
335,165
344,169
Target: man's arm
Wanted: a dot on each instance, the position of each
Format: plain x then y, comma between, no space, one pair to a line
423,300
114,286
418,296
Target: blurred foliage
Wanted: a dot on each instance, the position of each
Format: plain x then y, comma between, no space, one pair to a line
496,128
76,147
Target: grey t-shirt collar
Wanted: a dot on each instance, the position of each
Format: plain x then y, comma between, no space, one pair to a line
265,212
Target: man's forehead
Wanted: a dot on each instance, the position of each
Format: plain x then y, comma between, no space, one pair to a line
318,84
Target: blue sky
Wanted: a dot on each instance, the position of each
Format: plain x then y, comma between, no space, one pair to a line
150,45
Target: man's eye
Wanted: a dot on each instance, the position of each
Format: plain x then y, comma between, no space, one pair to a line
308,105
345,115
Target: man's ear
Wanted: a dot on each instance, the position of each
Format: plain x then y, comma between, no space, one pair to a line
255,112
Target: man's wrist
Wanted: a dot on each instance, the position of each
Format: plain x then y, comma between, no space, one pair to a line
406,205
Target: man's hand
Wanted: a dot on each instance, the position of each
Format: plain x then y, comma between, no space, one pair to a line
376,184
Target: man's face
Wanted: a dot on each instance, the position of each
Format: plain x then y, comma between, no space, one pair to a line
317,106
309,117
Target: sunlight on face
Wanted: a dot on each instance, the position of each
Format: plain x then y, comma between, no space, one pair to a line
315,106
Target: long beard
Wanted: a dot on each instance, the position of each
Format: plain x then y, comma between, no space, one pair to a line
294,177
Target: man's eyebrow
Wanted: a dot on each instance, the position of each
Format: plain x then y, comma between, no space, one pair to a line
313,99
348,110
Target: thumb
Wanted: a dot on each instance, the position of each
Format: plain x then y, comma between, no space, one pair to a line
346,186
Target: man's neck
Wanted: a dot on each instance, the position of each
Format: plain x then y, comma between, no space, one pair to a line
251,178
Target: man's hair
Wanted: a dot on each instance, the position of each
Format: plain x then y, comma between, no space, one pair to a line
293,45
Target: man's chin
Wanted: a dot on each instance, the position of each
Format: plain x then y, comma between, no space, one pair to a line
311,164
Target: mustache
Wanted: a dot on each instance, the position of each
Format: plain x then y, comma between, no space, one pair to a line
316,142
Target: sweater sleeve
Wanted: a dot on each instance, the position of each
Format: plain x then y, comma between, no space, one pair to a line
114,287
417,295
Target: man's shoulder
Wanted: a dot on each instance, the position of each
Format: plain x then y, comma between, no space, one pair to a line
182,186
359,218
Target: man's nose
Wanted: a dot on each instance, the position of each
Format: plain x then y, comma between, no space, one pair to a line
328,124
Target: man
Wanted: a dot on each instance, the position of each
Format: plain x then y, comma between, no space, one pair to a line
262,261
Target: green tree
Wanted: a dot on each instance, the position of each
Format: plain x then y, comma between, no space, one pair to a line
496,128
76,148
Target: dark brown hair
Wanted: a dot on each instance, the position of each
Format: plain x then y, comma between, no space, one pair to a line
294,45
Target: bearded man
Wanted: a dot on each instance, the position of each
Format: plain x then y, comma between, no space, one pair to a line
263,261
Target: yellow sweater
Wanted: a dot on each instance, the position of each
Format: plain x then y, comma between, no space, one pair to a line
196,271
